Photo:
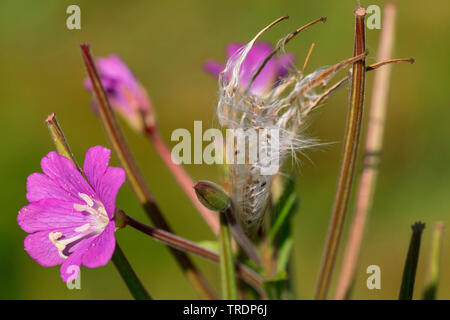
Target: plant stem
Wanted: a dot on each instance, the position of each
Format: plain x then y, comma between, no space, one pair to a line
182,177
120,261
61,145
373,149
229,291
247,274
409,272
432,282
240,236
128,275
137,182
351,142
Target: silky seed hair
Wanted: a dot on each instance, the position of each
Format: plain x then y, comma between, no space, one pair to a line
284,107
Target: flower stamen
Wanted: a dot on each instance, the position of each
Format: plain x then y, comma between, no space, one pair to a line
98,222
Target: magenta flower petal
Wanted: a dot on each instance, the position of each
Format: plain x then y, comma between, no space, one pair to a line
70,266
40,186
95,163
48,214
286,61
69,218
101,248
267,77
233,48
213,67
253,62
40,248
114,69
64,174
105,180
110,184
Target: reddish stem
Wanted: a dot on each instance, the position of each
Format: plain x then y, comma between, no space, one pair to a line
134,176
350,150
373,148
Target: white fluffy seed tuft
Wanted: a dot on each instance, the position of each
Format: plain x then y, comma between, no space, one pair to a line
285,107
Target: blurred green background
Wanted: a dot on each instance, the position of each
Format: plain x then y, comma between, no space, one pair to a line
166,43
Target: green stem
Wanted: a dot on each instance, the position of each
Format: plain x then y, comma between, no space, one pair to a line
409,272
123,266
134,176
240,236
346,173
129,276
228,279
431,285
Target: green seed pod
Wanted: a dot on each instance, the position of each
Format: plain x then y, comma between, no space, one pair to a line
212,196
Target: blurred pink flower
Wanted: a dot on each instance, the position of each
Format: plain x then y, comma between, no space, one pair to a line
126,95
276,67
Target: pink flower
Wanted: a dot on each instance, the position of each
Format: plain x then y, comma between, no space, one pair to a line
275,68
126,95
70,220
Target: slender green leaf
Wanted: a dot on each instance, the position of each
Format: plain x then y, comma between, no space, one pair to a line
432,282
282,217
280,232
284,208
228,279
284,254
409,272
280,237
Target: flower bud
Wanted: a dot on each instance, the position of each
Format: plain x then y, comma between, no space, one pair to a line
212,196
125,94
